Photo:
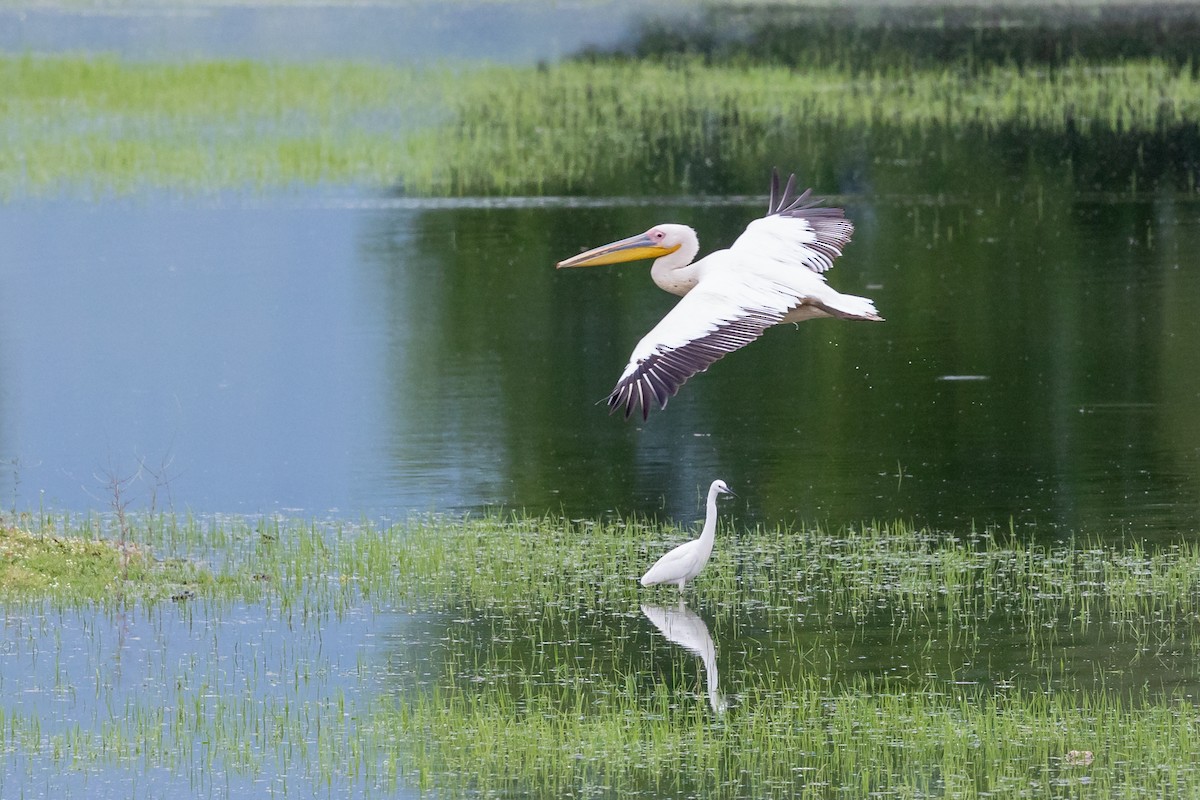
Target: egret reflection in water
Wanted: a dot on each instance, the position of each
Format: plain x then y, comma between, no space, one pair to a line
772,273
684,627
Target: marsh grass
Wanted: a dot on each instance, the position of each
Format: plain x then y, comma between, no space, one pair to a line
79,568
540,676
112,126
532,131
102,125
507,563
536,697
801,739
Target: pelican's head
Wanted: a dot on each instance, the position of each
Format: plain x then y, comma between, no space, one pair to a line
659,241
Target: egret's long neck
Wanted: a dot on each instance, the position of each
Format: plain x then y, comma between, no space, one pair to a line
710,523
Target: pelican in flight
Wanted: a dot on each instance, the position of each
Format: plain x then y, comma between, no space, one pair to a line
773,273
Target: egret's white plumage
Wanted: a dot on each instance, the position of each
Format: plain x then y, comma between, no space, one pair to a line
684,562
772,273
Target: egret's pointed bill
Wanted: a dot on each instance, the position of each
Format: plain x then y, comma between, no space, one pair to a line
634,248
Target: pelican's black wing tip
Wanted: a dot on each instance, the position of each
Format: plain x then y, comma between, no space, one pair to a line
788,204
630,395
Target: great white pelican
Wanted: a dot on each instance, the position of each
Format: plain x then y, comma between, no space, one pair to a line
773,273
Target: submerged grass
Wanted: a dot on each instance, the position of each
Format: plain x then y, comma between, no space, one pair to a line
105,125
539,675
800,740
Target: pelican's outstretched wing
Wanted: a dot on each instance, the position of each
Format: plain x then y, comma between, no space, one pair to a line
726,311
771,274
796,230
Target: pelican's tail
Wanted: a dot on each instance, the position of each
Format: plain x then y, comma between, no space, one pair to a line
851,306
834,304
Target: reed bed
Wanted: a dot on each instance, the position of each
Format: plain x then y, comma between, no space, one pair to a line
515,131
538,674
507,563
799,740
102,125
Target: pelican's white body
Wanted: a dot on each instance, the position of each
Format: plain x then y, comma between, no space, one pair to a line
684,562
773,273
729,285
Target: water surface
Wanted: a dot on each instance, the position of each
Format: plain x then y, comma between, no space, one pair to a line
352,355
402,33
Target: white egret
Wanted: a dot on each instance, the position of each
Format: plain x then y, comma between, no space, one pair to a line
684,562
773,273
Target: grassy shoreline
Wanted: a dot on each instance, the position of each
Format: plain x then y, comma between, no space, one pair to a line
76,567
99,125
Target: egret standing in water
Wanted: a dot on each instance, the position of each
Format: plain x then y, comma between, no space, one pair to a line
685,562
773,273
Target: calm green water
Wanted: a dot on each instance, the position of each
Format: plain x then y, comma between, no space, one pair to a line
362,355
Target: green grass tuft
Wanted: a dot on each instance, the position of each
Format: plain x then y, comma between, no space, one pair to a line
47,565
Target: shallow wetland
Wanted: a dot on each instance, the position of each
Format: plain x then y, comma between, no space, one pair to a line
518,656
316,499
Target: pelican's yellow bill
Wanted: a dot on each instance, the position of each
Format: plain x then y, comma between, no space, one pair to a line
632,249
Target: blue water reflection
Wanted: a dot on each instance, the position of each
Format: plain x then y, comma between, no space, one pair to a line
405,33
355,357
213,344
